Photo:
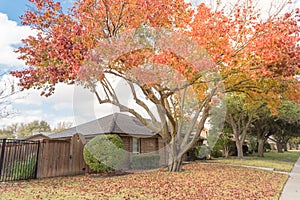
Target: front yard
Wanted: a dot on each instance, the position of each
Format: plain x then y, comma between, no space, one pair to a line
197,181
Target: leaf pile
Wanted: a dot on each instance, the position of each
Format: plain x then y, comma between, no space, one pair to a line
197,181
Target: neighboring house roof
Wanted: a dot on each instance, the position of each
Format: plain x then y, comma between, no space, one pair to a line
39,136
117,123
42,133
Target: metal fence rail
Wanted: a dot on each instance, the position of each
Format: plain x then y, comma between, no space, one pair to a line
18,159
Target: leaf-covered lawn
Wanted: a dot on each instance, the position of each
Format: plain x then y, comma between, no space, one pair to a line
278,161
197,181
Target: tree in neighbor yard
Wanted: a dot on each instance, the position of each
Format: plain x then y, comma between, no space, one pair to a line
240,117
35,126
261,128
9,131
294,142
262,123
285,125
154,45
255,117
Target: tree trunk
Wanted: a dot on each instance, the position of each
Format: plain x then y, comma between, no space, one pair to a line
175,161
176,166
226,151
279,147
261,147
239,146
285,146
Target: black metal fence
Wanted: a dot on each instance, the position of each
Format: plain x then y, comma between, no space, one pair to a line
18,159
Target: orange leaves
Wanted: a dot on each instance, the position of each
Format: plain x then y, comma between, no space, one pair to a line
237,45
210,30
277,47
247,50
64,39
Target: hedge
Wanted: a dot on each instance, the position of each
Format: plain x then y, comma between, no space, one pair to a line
145,161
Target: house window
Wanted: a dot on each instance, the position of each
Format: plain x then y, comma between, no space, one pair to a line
136,145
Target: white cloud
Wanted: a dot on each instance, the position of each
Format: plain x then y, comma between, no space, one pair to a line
61,99
21,119
69,103
10,36
29,97
30,106
34,113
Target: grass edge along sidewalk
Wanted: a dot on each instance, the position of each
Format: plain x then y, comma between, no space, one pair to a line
272,160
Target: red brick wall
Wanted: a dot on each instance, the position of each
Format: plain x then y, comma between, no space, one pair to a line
127,143
128,148
148,145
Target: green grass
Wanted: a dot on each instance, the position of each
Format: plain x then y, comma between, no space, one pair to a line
278,161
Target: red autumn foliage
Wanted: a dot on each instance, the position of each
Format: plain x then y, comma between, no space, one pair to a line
238,42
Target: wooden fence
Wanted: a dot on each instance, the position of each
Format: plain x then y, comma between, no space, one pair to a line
53,158
61,157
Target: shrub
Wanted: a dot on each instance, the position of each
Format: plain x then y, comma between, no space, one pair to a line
145,161
252,144
24,169
217,152
219,148
104,153
202,152
267,146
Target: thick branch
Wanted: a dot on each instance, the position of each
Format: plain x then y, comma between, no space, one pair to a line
141,103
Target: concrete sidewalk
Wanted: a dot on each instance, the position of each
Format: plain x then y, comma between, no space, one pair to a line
291,189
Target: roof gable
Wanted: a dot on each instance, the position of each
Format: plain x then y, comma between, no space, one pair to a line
117,123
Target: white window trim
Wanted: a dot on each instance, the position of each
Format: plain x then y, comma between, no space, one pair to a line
138,143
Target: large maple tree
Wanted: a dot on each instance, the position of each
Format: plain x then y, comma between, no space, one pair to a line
154,45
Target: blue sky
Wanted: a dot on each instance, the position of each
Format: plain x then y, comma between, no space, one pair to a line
13,9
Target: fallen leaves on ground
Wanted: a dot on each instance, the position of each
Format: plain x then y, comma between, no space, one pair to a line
197,181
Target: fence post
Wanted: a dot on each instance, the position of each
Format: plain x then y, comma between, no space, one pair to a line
37,159
2,155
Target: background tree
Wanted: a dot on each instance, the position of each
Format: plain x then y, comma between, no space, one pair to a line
294,142
248,53
35,126
6,133
261,128
240,116
9,131
62,126
286,124
224,143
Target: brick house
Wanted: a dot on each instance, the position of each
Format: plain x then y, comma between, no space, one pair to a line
137,138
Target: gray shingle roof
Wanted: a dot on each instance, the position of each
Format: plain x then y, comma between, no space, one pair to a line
117,123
